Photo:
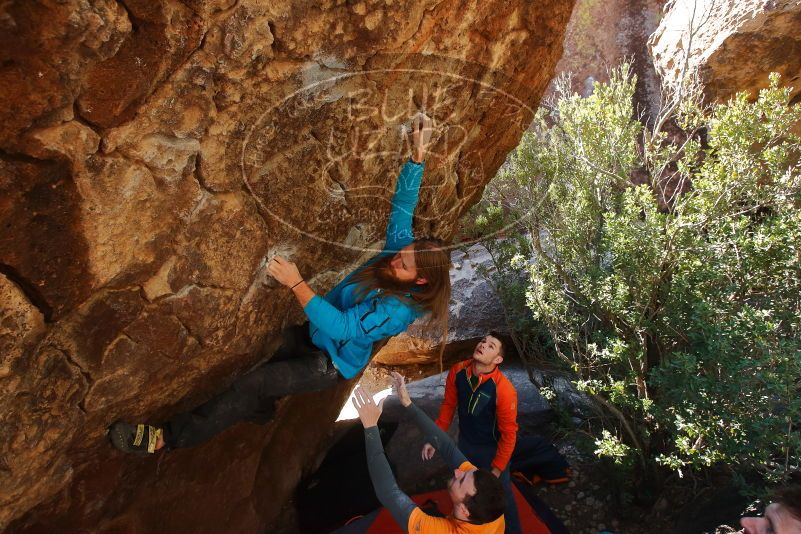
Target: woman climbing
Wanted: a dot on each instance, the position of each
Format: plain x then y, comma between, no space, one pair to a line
380,299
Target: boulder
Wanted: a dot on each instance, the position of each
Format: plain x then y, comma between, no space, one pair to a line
603,34
153,154
730,45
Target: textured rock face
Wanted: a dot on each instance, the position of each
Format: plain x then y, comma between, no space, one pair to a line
731,45
601,35
152,155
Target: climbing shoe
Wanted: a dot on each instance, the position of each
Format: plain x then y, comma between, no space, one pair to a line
134,439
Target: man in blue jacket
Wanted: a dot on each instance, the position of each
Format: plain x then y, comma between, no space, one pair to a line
380,299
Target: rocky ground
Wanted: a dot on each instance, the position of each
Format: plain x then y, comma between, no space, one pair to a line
584,504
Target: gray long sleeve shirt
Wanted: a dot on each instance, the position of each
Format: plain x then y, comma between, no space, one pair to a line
386,488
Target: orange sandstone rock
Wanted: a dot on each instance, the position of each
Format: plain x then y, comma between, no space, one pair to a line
152,154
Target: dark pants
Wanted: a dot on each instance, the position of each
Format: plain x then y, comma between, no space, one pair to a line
297,367
481,456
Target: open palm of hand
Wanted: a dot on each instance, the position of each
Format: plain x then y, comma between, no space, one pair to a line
369,412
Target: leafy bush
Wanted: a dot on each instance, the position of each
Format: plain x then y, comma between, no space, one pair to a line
676,303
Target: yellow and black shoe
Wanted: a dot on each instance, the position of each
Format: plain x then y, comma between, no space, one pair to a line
134,439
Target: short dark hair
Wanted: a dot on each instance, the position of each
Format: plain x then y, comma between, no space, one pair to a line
488,503
496,335
790,498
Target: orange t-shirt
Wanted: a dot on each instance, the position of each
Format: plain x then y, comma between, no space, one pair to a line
422,523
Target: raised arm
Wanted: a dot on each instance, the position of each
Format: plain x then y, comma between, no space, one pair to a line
407,189
446,411
431,432
436,437
386,488
404,201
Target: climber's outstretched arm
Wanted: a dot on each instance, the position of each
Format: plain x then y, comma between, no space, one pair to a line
407,189
399,228
386,487
431,432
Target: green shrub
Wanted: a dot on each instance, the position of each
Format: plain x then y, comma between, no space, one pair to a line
676,303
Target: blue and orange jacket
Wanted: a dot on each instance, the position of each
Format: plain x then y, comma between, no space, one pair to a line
346,328
487,405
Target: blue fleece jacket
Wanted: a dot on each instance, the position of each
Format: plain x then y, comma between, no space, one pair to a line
346,329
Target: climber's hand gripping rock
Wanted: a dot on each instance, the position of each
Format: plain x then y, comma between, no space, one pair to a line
285,271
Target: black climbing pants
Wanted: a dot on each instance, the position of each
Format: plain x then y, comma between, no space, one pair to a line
297,367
